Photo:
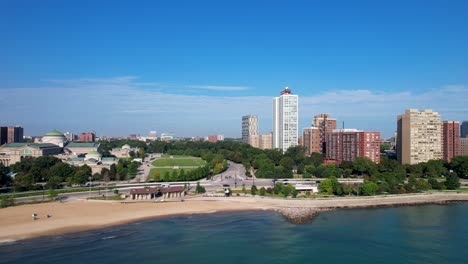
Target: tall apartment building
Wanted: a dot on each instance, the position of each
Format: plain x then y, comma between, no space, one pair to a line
419,136
349,144
285,120
326,125
311,140
152,135
3,135
249,127
464,146
451,137
261,141
14,134
87,137
464,129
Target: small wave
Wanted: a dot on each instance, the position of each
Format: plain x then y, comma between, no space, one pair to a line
7,241
109,237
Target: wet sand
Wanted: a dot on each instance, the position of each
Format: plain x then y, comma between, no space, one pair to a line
16,222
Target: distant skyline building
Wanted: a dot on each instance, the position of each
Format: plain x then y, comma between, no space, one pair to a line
464,146
3,135
326,125
285,120
214,138
87,137
419,136
249,127
152,135
167,136
464,129
14,134
349,144
311,140
451,137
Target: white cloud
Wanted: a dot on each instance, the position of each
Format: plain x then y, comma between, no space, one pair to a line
218,88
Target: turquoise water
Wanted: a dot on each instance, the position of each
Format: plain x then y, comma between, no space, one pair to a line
417,234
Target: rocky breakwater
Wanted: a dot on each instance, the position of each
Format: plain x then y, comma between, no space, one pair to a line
300,215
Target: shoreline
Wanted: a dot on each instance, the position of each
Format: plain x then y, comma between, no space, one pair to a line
71,217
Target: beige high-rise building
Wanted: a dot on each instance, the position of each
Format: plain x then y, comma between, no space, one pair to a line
464,146
264,141
311,140
419,136
249,127
254,141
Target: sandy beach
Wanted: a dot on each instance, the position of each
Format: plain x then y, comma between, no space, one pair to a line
16,222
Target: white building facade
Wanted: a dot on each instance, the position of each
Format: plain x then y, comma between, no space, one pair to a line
285,120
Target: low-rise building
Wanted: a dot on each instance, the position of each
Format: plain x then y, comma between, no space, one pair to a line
151,193
15,152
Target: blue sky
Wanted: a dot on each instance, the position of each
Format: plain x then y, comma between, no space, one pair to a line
195,67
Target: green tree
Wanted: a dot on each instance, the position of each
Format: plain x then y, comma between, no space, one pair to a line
262,191
423,185
182,175
82,174
5,180
412,182
309,171
369,188
174,175
452,182
330,186
199,188
460,166
435,184
347,189
287,163
253,190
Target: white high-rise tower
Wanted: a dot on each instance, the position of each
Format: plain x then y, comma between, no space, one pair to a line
285,120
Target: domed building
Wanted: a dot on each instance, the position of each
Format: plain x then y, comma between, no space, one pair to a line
54,137
93,155
124,151
126,146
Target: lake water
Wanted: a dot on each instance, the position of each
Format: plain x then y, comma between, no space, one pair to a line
416,234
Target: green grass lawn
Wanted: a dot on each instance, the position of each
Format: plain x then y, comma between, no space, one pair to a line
178,161
162,171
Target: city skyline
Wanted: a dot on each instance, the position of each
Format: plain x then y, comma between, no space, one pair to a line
197,68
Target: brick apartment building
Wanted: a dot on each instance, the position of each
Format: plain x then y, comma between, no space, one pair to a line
349,144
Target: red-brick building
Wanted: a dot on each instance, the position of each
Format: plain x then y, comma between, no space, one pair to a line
451,140
349,144
87,137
